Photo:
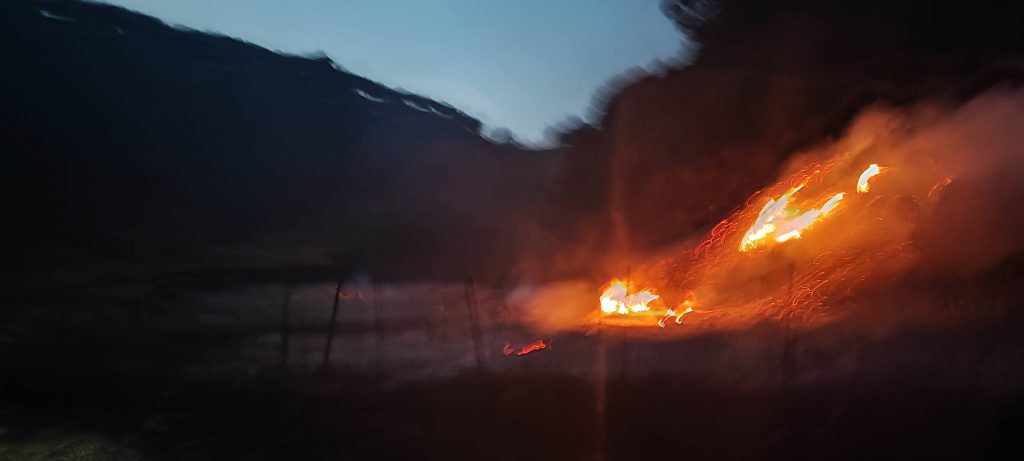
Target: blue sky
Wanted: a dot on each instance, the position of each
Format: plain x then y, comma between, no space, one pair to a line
519,64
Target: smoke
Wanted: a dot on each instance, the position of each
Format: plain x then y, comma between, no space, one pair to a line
942,208
976,223
953,179
556,306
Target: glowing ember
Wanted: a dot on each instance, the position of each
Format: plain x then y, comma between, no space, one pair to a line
531,347
937,188
784,222
617,300
862,182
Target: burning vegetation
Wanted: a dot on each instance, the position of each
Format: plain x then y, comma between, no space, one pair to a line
864,211
780,220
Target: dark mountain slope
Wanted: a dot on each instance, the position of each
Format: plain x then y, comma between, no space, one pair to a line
125,138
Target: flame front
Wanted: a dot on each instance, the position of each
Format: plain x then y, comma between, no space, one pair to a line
616,299
862,183
808,198
784,222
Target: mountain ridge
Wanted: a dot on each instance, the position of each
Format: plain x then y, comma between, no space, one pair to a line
127,136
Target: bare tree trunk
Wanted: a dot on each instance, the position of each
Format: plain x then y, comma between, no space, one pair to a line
330,328
378,362
474,324
285,313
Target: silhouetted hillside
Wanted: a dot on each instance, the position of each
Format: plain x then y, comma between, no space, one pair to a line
127,139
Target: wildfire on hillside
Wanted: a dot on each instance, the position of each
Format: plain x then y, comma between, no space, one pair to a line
905,197
817,196
845,217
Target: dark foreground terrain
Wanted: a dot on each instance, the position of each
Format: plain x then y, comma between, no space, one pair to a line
921,394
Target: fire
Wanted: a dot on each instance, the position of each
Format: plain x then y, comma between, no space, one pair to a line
862,183
616,299
686,308
783,221
830,240
779,219
623,307
809,197
529,348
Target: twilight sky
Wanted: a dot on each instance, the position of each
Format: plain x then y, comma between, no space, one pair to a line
519,64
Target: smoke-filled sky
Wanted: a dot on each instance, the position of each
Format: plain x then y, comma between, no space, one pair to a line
522,65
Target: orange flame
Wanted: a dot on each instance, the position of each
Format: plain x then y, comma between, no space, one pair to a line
617,300
784,222
862,183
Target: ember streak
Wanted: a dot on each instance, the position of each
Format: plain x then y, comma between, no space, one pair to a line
535,346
